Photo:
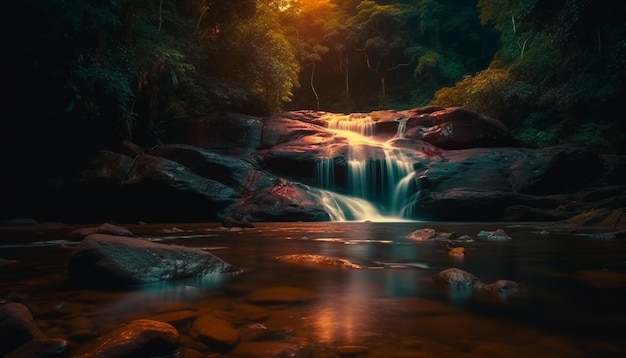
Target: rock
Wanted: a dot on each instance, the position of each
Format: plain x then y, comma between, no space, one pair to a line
283,201
527,213
106,228
216,333
230,222
40,348
426,234
228,170
17,326
557,169
497,235
456,251
106,167
467,167
278,130
139,338
251,332
101,259
421,234
504,287
461,128
178,319
318,260
21,337
458,280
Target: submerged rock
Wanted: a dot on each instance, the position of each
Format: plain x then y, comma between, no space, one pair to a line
214,332
457,279
318,260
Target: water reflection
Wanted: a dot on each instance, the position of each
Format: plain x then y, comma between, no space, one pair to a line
569,307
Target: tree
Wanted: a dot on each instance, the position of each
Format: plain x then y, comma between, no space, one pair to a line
382,38
566,74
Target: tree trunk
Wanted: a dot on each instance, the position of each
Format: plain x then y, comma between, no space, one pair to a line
347,77
317,99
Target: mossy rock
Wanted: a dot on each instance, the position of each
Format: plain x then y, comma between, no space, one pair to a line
601,218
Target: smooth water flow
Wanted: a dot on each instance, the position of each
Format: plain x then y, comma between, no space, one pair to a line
377,172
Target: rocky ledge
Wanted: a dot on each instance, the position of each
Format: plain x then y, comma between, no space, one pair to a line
457,166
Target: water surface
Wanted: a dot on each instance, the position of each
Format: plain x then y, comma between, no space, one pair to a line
572,302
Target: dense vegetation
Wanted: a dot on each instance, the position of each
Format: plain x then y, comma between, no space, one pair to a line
88,73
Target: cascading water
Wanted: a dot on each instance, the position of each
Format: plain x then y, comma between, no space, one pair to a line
381,179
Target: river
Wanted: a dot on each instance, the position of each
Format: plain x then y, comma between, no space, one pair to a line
572,301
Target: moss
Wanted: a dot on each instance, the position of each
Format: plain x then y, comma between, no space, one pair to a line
600,217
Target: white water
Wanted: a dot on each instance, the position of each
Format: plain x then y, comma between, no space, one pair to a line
379,189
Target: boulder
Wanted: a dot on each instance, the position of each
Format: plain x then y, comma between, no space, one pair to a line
231,171
461,128
107,260
139,338
21,337
283,201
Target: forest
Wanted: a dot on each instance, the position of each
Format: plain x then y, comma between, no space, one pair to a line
89,73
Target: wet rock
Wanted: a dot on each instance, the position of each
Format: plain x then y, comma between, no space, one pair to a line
228,170
307,259
251,332
456,251
178,319
527,213
21,337
81,328
40,348
459,128
106,228
504,287
139,338
214,332
426,234
497,235
118,261
458,280
231,222
246,313
283,201
17,326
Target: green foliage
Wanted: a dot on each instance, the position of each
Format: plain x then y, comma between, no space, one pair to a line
565,74
128,68
489,92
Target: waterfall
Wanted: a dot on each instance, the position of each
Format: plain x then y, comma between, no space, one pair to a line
348,208
379,174
401,127
355,122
